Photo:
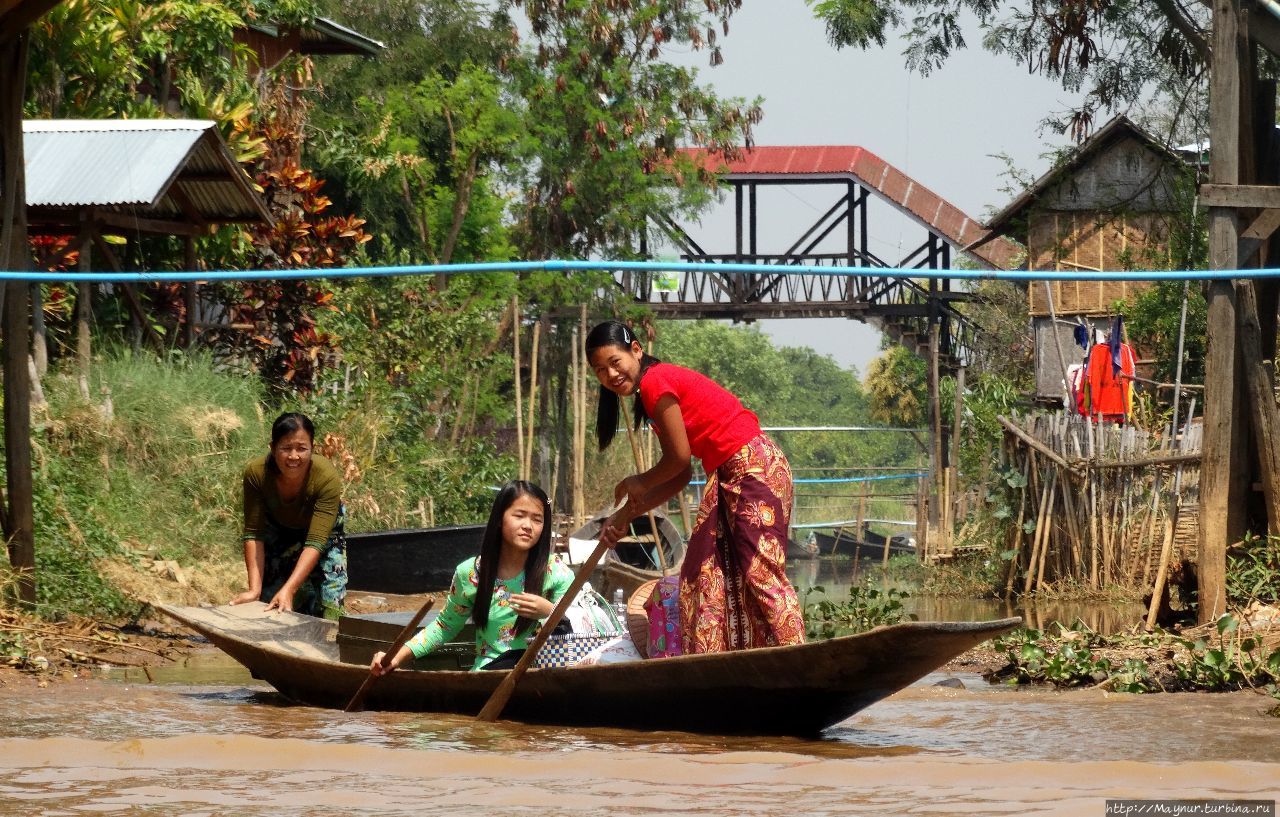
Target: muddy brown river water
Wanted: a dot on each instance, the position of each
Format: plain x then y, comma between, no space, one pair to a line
203,738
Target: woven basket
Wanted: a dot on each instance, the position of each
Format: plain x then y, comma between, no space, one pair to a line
638,618
567,650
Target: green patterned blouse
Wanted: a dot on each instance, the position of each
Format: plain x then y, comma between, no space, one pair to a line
498,635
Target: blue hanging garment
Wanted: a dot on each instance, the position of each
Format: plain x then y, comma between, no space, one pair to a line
1115,342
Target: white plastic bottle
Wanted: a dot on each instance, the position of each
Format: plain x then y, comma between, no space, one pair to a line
619,605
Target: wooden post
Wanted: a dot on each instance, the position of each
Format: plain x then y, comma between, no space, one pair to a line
84,301
515,357
1015,543
1034,559
934,537
39,332
1260,384
189,294
953,476
579,504
1224,466
1048,530
922,527
15,323
527,467
860,523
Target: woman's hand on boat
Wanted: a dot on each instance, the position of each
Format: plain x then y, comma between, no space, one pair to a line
531,605
282,600
246,597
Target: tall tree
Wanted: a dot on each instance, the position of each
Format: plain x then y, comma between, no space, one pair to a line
605,117
412,140
1113,52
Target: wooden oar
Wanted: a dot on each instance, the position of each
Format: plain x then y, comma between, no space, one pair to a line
653,522
357,700
498,700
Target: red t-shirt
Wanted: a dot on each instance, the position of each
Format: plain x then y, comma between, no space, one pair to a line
715,421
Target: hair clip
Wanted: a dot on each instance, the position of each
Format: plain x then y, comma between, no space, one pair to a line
626,335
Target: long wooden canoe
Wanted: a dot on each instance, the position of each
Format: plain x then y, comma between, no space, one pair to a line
797,690
843,543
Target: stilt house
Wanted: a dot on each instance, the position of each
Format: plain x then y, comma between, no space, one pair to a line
1110,205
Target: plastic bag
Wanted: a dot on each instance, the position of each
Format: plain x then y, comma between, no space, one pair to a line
614,651
590,614
663,610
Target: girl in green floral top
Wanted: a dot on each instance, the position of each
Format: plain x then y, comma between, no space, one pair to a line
494,589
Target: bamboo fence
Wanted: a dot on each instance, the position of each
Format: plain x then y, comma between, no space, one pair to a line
1103,505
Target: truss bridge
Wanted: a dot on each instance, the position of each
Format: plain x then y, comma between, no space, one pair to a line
903,308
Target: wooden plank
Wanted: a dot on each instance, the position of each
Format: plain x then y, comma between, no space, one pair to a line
1260,382
1148,462
1255,196
15,20
1262,226
1032,442
123,221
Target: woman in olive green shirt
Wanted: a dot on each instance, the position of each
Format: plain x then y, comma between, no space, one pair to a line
295,550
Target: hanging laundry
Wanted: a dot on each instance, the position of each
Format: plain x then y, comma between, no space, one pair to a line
1076,399
1081,333
1111,369
1115,341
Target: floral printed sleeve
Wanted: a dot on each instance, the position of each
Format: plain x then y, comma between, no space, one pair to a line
457,609
561,576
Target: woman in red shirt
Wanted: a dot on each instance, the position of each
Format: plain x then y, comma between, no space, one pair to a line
734,593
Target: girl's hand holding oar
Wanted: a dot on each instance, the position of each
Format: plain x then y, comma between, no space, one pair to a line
385,662
502,694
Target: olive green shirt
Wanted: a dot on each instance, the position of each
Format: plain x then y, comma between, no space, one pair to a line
314,509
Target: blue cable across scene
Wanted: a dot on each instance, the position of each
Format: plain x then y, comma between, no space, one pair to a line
911,475
554,265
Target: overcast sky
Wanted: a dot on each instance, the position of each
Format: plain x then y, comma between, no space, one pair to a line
943,130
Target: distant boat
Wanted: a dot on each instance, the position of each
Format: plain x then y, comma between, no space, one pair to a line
409,560
635,560
871,546
806,549
808,687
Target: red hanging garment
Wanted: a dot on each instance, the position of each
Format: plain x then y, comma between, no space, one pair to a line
1110,392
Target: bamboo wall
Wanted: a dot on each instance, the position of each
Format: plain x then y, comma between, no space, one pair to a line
1091,241
1103,504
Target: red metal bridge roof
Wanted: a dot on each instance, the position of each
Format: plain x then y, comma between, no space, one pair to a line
874,173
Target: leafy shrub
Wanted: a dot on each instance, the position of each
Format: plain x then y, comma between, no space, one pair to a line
866,607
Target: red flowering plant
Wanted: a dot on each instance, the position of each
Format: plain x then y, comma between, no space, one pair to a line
56,253
285,345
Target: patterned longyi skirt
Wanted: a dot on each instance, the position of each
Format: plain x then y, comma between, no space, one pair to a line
734,592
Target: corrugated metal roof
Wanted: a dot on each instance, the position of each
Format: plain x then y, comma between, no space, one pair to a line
900,190
136,166
325,36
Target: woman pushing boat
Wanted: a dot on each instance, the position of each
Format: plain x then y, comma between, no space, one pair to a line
512,585
734,593
295,549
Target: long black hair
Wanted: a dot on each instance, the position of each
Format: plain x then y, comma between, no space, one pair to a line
615,333
535,561
285,425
